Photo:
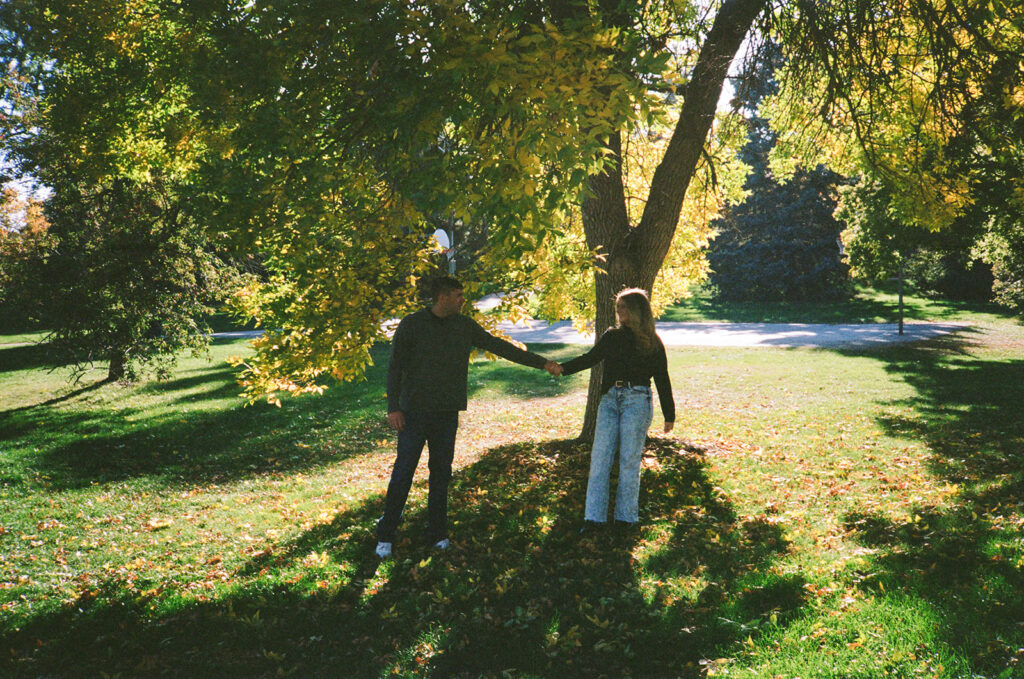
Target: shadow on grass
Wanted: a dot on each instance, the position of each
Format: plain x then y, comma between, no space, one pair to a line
963,560
518,593
197,385
26,357
519,381
177,437
182,435
207,448
71,392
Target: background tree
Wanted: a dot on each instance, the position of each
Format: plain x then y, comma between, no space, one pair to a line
881,247
1003,248
95,109
925,100
781,242
127,278
23,235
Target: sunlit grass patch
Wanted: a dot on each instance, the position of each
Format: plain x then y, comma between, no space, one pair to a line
844,634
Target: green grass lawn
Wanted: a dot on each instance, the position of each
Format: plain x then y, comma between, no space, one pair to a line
815,514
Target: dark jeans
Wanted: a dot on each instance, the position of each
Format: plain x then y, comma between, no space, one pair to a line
437,430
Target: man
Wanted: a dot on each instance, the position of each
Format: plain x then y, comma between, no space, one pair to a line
426,390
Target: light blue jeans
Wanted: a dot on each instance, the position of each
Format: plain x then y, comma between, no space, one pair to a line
623,419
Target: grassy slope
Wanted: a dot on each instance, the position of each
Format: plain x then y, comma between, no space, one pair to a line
818,513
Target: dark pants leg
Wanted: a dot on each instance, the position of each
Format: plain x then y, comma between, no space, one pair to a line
437,431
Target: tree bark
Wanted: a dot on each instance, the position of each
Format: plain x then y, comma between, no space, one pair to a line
634,255
606,225
118,365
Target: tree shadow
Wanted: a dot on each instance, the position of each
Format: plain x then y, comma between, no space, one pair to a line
78,448
69,394
32,356
181,441
217,447
519,593
223,376
178,439
963,559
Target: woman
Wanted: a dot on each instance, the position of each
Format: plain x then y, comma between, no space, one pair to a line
632,353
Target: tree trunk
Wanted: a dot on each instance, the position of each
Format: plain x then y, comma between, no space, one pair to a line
605,223
118,365
634,255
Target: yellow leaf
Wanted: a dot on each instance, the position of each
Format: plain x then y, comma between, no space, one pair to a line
158,524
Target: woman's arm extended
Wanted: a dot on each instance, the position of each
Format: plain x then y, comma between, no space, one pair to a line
589,359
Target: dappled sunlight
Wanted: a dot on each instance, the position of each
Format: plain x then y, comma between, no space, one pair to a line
843,506
965,567
518,590
960,550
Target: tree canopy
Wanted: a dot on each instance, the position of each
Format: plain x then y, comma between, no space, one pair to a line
330,137
923,100
99,112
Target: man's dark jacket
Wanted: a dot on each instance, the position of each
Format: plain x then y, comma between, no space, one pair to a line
430,361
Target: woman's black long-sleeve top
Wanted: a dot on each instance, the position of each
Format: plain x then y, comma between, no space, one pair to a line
624,362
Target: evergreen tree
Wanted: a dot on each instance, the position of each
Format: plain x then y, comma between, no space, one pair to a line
782,242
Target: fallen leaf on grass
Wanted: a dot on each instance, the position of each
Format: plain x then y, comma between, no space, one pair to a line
158,524
316,560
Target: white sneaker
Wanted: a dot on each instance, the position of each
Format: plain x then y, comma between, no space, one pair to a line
384,550
443,544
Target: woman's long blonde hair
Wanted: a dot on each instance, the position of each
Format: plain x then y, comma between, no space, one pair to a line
641,317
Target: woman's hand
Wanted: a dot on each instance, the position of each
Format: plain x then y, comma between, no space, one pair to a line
668,426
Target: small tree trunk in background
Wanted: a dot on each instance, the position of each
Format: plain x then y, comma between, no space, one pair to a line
901,293
118,365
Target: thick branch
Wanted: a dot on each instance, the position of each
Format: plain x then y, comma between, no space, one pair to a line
668,186
604,207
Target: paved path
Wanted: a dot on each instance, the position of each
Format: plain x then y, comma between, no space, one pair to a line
750,334
854,335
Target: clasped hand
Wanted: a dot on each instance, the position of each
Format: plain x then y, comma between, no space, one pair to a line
553,368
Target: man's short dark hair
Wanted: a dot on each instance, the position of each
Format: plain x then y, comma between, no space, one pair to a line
443,284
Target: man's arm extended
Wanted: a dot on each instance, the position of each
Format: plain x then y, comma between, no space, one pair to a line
510,352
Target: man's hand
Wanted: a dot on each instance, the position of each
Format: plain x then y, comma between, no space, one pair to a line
397,420
668,426
553,368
